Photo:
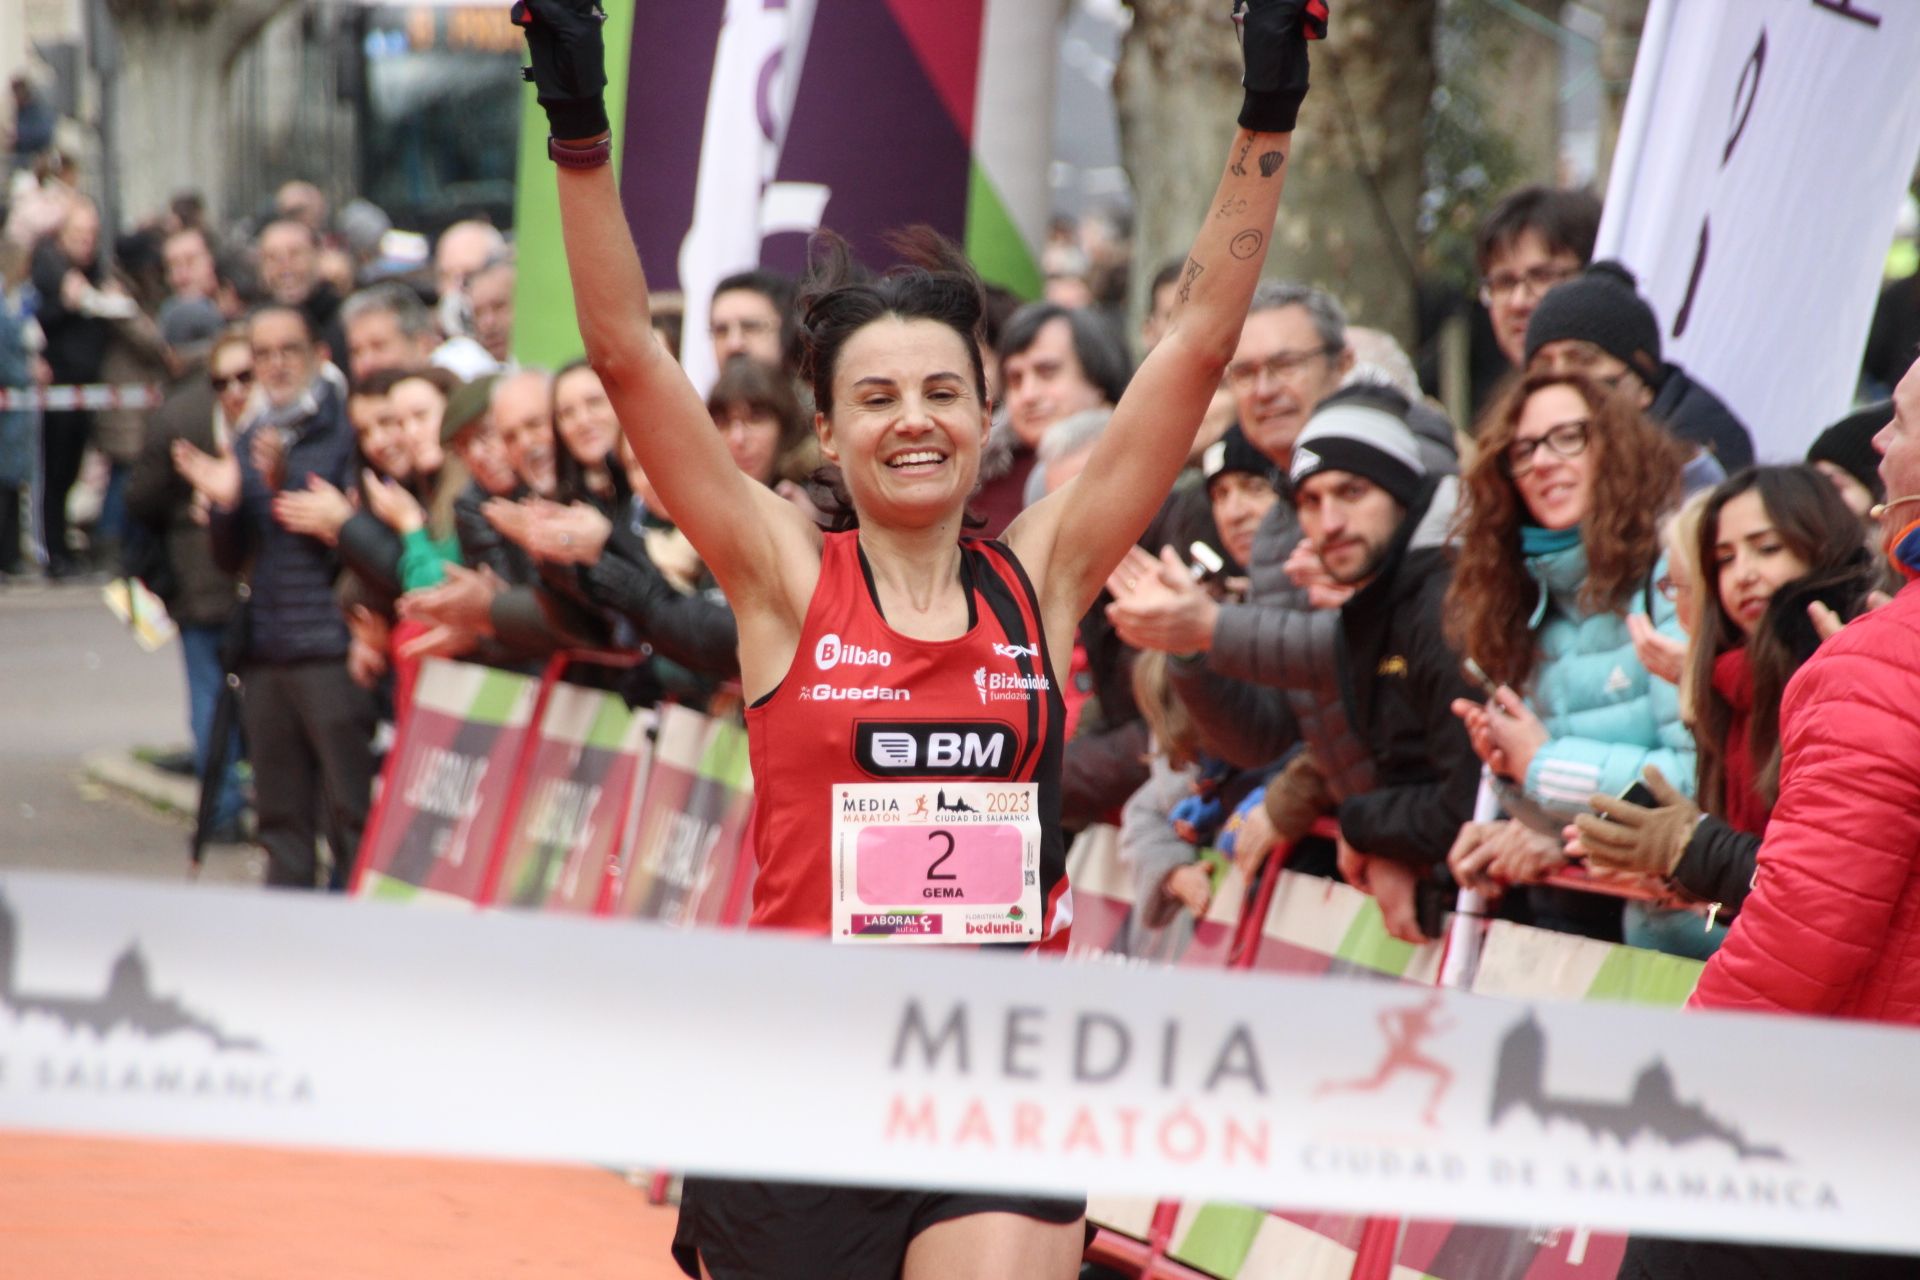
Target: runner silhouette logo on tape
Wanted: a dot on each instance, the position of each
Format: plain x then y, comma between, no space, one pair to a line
1405,1029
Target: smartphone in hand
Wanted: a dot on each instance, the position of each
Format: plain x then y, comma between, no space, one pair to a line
1480,677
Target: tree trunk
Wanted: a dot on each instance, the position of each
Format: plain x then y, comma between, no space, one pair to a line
1347,220
1518,67
1618,49
176,57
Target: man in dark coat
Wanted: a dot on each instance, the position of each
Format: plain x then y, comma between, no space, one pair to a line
1378,524
309,726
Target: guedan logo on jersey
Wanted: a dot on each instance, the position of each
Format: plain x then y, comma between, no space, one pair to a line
935,749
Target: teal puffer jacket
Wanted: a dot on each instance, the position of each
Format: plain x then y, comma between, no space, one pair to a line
1607,715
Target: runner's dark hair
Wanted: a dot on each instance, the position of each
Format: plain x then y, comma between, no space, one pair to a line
934,281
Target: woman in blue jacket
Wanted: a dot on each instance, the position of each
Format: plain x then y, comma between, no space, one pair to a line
1559,545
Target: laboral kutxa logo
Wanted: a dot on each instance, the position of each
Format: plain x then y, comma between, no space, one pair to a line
129,1039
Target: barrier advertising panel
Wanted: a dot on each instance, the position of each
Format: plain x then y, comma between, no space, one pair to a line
445,785
582,775
692,814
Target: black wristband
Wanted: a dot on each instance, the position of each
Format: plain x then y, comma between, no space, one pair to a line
1271,112
575,117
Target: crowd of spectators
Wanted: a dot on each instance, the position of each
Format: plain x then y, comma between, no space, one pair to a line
1683,677
1589,599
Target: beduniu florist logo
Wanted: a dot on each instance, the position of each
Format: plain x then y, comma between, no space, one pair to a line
130,1040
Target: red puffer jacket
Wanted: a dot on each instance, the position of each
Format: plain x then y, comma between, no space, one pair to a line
1833,923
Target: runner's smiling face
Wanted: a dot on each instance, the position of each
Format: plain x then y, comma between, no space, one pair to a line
907,423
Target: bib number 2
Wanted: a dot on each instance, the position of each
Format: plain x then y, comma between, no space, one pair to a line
958,866
934,872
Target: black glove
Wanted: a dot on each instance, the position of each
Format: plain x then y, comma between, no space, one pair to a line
569,63
1273,37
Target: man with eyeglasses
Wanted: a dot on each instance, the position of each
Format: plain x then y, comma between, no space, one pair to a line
1599,325
752,316
1292,354
309,726
1534,239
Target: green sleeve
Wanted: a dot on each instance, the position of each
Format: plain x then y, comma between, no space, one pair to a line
423,559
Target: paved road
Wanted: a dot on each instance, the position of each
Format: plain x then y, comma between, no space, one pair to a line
72,682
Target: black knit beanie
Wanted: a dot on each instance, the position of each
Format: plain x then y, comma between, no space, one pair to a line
1234,452
1600,306
1848,444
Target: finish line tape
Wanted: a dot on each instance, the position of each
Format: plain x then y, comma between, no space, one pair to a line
233,1015
64,399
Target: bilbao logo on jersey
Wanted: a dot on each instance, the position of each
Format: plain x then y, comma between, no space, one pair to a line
832,651
935,749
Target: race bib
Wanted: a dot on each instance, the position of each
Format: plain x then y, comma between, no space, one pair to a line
952,862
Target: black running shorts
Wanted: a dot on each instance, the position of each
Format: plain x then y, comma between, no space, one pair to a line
806,1231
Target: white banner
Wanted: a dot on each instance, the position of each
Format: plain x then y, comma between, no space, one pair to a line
1761,162
194,1012
756,71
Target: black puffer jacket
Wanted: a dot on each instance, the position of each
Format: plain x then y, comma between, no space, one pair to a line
481,545
695,630
293,616
1399,679
1695,414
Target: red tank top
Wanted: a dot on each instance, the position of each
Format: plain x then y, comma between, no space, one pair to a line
982,707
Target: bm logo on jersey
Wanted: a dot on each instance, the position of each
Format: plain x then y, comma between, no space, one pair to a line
934,749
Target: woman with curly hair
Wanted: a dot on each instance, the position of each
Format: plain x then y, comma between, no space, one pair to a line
1560,542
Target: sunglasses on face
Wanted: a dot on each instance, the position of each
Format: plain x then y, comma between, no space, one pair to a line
244,378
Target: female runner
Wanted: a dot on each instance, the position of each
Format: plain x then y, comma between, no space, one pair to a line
901,662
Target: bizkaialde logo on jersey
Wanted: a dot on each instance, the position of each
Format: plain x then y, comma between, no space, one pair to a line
831,652
995,686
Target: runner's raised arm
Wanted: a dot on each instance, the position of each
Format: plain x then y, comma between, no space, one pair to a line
1073,539
739,526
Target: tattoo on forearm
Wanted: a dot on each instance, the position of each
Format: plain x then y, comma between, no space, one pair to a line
1186,281
1240,161
1270,162
1246,244
1230,207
